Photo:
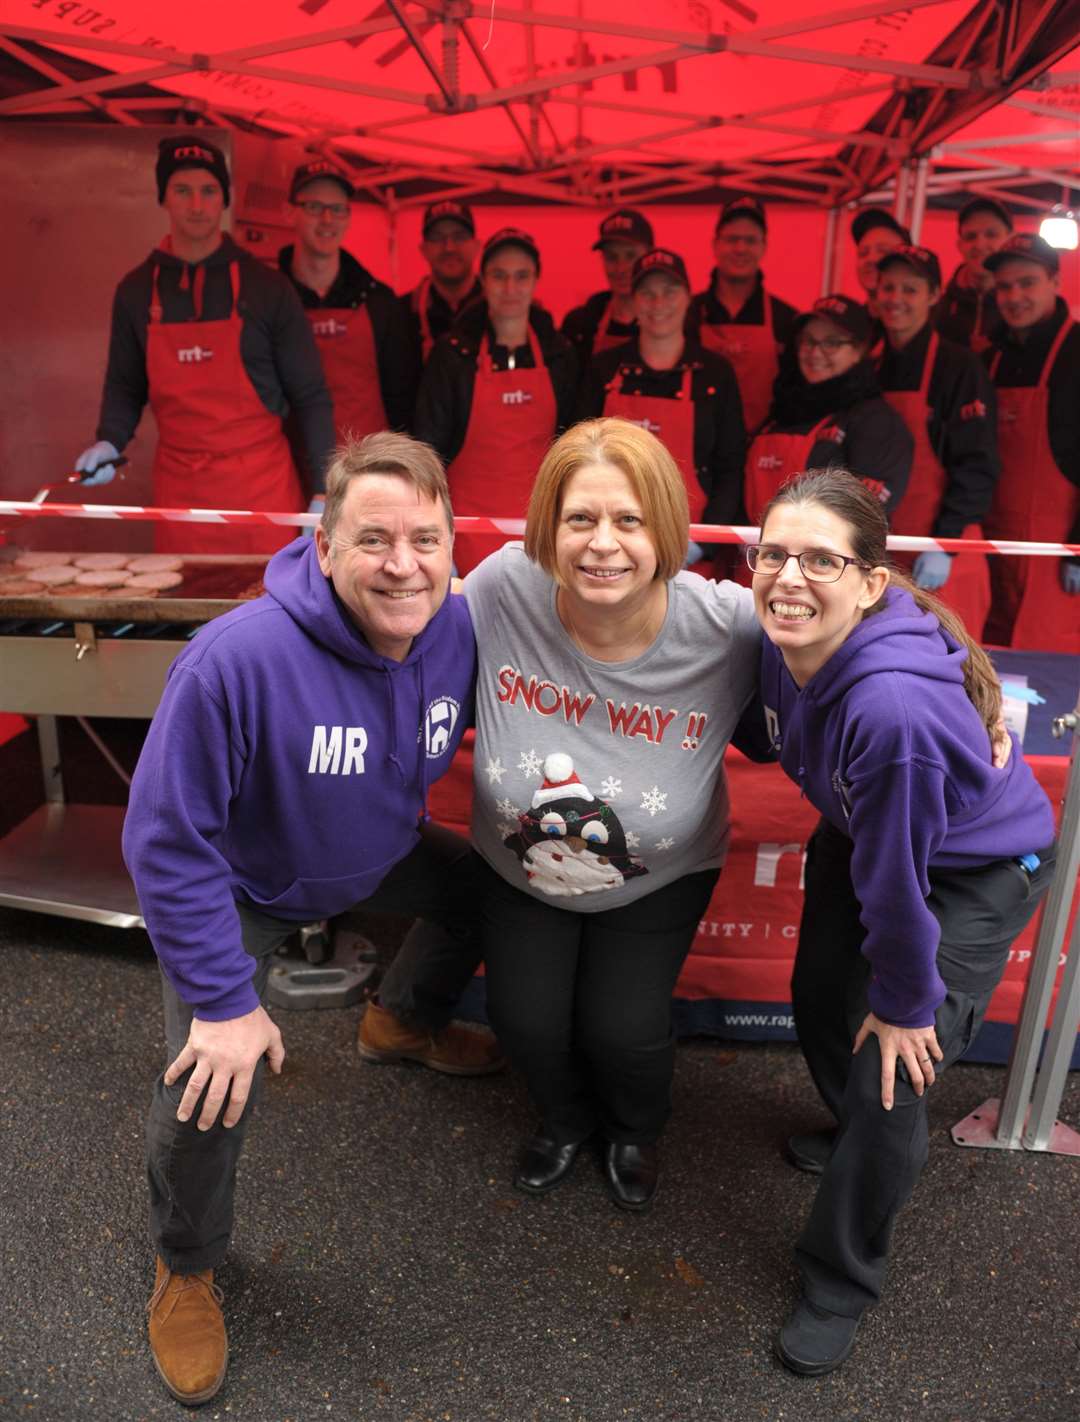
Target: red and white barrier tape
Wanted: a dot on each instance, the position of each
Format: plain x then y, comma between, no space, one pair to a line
511,527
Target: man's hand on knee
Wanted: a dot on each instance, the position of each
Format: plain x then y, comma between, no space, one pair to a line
222,1057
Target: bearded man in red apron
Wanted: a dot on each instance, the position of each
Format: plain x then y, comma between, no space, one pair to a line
218,344
736,316
942,393
355,318
686,396
219,347
968,312
449,247
496,391
1035,367
607,319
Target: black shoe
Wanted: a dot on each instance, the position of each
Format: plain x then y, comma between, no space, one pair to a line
543,1164
632,1174
814,1341
810,1152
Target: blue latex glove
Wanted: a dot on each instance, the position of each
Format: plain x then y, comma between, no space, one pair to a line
931,570
318,503
96,463
694,554
1070,575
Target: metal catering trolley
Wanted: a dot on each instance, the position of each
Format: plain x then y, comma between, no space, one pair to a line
95,656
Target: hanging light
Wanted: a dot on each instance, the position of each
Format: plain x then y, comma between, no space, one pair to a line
1059,229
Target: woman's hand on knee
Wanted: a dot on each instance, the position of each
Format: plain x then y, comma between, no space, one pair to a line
916,1047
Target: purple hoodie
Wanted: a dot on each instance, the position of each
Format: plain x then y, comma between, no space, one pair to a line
287,769
885,743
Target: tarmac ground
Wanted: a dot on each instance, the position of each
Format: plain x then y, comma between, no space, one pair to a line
384,1269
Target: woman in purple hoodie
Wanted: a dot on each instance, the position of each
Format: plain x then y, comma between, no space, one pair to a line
927,863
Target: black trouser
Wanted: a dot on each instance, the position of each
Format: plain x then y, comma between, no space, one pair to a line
192,1173
879,1154
581,1002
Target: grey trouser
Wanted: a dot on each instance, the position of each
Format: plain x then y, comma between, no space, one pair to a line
192,1173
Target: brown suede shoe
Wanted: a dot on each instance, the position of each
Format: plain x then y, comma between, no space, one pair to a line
458,1051
187,1334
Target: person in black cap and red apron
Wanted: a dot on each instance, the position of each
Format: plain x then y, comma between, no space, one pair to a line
354,318
1035,367
736,316
219,346
496,392
669,384
942,393
968,312
875,233
449,247
828,412
607,319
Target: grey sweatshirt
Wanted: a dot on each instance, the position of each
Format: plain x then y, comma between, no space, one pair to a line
598,782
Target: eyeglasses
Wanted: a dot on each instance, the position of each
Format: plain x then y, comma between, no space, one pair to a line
316,209
818,565
830,344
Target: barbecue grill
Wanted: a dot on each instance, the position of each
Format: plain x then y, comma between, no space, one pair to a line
84,656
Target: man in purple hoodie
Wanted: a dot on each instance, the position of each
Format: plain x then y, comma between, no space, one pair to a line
284,780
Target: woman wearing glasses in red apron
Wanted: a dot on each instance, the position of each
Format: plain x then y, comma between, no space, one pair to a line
219,347
496,392
827,409
1035,367
686,396
942,393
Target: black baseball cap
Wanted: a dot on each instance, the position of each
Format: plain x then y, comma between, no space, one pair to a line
920,260
316,169
742,207
625,225
871,217
452,209
659,260
186,151
509,237
985,204
1027,247
851,316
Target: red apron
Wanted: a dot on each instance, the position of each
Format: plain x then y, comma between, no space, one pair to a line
1035,502
968,590
604,340
419,306
671,421
773,459
218,444
754,353
346,345
511,425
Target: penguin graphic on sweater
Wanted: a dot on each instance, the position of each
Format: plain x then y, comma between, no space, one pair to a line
569,842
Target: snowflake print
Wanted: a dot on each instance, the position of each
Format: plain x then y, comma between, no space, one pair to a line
654,800
664,843
530,764
506,830
632,839
506,807
611,787
495,770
